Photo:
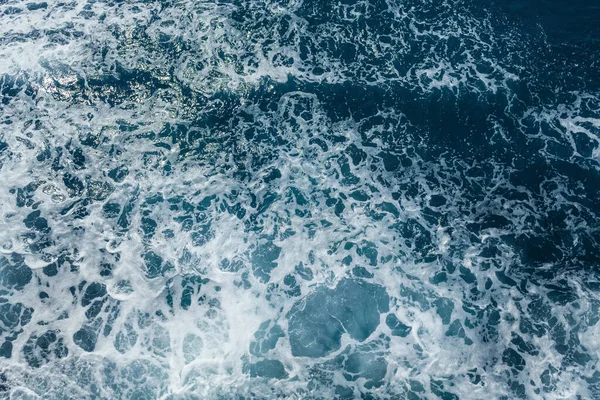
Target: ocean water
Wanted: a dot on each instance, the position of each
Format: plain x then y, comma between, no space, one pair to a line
300,199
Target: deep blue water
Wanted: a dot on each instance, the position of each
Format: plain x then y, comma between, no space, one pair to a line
300,199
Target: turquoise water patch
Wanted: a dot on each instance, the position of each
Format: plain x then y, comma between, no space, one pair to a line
316,323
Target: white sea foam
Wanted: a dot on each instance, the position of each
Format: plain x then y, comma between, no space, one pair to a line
214,206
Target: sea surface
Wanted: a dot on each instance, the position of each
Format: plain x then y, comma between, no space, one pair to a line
300,199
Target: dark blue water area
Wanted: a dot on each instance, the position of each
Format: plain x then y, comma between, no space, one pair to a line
299,199
572,36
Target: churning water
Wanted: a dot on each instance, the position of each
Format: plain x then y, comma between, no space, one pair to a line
300,199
